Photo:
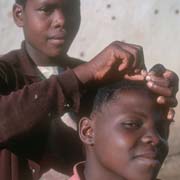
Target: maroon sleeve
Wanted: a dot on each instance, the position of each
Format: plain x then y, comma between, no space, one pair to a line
34,104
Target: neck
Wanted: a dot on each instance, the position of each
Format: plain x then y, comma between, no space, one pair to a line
41,59
95,171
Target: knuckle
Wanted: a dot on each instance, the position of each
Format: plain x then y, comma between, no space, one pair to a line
129,56
158,69
173,76
175,103
116,42
139,48
113,45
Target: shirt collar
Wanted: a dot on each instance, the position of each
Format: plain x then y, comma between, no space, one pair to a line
77,170
47,71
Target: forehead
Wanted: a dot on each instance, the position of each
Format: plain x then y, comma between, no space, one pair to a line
131,102
57,2
51,1
133,97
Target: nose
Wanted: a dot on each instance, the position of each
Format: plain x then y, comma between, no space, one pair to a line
58,19
151,137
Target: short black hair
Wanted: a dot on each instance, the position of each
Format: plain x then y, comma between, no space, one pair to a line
21,2
95,98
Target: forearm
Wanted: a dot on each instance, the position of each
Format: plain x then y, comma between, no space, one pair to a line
35,104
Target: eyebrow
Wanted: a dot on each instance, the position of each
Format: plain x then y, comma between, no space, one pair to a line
134,114
139,113
47,2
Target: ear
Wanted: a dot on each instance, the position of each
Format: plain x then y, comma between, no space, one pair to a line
18,15
86,131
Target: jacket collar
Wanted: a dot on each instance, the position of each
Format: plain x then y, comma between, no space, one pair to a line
28,67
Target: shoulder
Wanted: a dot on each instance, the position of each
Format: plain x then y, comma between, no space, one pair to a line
11,58
73,62
8,60
10,75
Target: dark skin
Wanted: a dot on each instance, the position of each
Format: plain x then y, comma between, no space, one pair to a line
126,139
49,28
115,62
52,29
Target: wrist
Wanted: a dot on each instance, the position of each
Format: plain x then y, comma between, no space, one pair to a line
84,74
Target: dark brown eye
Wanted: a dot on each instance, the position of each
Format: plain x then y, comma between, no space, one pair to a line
46,9
131,124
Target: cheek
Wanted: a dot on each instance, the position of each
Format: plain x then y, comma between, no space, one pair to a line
36,25
114,149
36,33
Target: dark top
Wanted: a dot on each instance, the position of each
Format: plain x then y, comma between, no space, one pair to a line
30,135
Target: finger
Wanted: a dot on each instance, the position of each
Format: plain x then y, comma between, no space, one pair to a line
157,70
123,57
169,101
139,70
164,91
136,77
137,52
173,78
171,114
126,60
144,73
132,50
136,71
171,75
160,81
140,63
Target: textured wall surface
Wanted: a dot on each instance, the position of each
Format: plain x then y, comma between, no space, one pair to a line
154,24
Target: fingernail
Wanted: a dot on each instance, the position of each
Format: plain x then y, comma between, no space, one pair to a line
144,73
170,116
150,84
148,78
161,100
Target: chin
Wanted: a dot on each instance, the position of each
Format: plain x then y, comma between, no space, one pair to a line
143,174
56,53
143,177
147,176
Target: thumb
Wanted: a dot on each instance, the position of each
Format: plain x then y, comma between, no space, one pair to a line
124,64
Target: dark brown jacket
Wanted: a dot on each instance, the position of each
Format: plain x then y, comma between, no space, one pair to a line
29,137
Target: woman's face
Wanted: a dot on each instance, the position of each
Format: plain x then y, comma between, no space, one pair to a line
130,137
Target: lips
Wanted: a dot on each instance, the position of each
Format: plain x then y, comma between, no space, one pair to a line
148,155
57,38
149,158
